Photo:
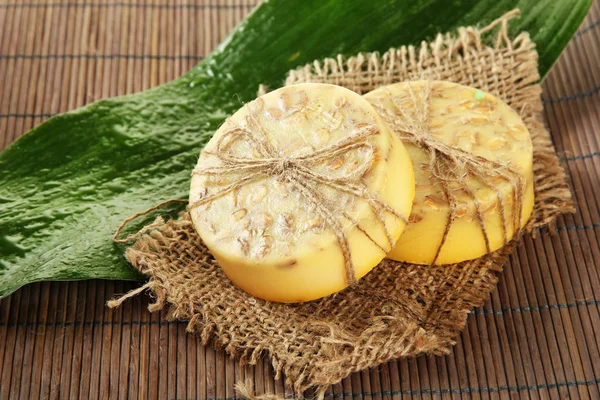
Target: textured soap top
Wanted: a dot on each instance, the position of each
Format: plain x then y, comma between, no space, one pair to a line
313,161
488,150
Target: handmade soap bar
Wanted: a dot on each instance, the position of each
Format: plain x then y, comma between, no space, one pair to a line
472,156
301,192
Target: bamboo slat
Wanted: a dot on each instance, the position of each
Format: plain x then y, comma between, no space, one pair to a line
536,337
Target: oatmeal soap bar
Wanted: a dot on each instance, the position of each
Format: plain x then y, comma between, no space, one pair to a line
301,192
472,156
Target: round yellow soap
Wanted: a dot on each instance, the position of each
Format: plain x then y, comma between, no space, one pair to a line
292,176
478,124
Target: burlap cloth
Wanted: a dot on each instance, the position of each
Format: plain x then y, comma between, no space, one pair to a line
397,310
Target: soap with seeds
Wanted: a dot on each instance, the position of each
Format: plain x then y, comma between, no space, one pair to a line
301,192
473,169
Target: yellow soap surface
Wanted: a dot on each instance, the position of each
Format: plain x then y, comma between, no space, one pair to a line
266,235
475,122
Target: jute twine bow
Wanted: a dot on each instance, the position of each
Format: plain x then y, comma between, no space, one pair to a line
301,173
451,166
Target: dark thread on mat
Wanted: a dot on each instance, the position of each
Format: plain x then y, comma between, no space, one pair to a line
444,391
537,308
581,157
133,5
588,28
62,324
26,115
470,390
101,56
578,227
575,96
68,324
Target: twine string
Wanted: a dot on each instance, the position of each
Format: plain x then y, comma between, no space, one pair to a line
135,236
301,172
450,166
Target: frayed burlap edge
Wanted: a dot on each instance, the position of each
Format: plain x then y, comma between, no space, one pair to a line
397,310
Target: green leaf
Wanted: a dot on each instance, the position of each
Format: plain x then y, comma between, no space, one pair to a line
66,185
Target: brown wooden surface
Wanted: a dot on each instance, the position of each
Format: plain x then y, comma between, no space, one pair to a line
537,337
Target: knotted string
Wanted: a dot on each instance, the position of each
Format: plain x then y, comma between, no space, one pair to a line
450,166
301,173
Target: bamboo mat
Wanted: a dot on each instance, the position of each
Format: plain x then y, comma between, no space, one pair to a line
537,337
